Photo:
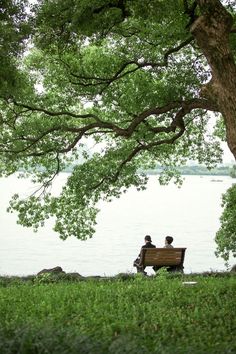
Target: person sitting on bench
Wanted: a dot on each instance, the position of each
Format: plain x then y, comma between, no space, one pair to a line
148,244
168,242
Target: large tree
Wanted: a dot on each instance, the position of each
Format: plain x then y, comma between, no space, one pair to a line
138,78
14,31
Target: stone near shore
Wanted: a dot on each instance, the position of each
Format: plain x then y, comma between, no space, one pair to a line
58,270
233,269
51,270
74,275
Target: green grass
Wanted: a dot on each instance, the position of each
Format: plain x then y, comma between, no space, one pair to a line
136,315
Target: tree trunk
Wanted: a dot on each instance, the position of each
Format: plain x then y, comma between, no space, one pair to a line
211,31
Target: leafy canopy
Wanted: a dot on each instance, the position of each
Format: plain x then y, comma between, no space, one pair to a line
226,236
125,74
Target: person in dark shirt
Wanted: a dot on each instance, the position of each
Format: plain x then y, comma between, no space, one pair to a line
148,244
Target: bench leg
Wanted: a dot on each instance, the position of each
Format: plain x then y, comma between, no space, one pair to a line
140,269
179,269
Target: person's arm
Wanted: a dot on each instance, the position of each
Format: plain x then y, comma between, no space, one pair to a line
140,252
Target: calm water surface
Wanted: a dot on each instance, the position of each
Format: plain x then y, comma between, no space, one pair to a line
190,214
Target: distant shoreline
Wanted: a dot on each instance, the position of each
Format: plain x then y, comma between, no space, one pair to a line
192,170
195,171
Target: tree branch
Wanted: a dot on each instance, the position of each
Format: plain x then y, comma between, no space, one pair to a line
178,122
186,106
46,184
98,126
176,49
118,5
55,114
190,11
87,81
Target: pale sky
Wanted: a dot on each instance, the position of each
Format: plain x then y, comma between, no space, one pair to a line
228,156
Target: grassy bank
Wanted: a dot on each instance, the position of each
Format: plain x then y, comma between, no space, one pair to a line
134,315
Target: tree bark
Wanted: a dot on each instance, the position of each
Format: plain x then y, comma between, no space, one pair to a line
211,31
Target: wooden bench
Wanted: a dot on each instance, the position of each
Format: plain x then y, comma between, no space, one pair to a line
172,258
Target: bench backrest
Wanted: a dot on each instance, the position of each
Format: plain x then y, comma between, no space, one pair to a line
162,256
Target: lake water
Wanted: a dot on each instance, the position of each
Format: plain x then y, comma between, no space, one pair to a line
189,214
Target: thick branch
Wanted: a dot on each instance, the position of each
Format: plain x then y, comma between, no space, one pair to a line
186,105
178,122
98,126
54,113
87,81
120,4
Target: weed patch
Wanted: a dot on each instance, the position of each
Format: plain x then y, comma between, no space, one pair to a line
134,314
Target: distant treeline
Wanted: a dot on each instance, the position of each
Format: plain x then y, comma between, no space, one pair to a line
223,170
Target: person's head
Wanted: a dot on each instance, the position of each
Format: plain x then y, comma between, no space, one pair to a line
147,238
169,240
